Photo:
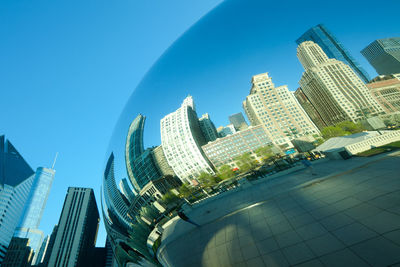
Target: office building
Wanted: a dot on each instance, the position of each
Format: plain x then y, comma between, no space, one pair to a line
42,251
208,128
333,88
16,178
384,55
333,48
34,208
226,130
225,150
278,111
386,90
309,108
238,121
19,253
49,247
161,162
181,139
126,190
77,229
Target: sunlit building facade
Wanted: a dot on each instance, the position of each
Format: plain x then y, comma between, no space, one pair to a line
333,88
386,90
238,121
208,128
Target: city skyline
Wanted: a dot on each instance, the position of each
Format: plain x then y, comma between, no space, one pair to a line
87,154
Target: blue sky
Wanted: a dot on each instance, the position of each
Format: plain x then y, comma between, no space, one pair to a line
68,68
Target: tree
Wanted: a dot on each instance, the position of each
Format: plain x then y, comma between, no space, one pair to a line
169,198
185,190
349,126
264,152
208,180
226,172
333,131
245,162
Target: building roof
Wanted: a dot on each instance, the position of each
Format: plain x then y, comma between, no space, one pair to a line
340,142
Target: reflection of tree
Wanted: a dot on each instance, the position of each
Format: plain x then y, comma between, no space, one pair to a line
225,172
245,162
341,129
265,153
208,180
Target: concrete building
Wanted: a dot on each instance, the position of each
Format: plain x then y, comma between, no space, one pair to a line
77,229
224,150
333,48
181,139
277,110
309,108
238,121
161,162
19,253
226,130
208,128
386,90
384,55
333,88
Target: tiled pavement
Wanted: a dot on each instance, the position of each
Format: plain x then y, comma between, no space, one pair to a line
351,218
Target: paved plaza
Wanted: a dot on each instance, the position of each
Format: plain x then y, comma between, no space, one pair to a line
346,215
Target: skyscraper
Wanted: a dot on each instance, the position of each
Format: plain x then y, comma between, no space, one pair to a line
16,178
181,139
333,88
208,128
332,48
309,108
384,55
277,110
77,229
19,253
238,121
33,211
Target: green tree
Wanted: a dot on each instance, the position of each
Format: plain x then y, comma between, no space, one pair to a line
333,131
264,153
208,180
169,198
245,162
226,172
349,126
185,190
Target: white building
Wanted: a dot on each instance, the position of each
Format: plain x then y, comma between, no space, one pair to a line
277,110
333,88
181,140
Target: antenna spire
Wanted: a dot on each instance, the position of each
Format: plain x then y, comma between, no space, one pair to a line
54,162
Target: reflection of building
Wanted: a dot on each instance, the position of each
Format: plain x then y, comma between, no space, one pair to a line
238,121
18,254
49,248
277,110
126,189
224,150
386,90
332,48
384,55
34,208
208,128
227,130
16,178
309,108
333,88
77,229
181,140
161,162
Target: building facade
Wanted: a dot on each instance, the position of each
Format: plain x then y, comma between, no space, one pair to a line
333,88
225,150
19,253
386,90
226,130
309,108
384,55
77,229
161,162
181,139
238,121
278,111
208,128
332,48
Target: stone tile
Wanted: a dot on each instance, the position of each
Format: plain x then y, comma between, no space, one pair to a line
310,231
294,212
385,201
246,240
336,221
383,222
235,256
281,227
324,212
369,194
275,259
354,233
324,244
394,236
311,263
255,262
362,211
342,258
378,251
267,245
298,253
288,238
301,220
249,252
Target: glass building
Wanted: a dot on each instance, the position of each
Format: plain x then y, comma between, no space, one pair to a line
332,48
238,121
384,55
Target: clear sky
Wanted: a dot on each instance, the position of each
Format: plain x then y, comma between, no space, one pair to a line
68,68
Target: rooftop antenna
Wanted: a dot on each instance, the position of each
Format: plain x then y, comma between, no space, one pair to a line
54,162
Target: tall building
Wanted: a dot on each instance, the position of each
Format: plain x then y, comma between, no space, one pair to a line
34,208
333,88
332,48
161,162
225,150
277,110
16,178
181,139
309,108
384,55
226,130
386,90
126,189
208,128
238,121
77,229
19,253
49,248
